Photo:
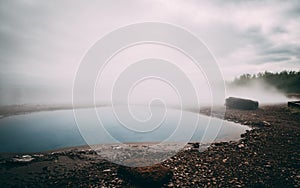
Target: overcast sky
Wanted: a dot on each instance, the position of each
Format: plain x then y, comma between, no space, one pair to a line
44,41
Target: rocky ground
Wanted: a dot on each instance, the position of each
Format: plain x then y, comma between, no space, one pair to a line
266,156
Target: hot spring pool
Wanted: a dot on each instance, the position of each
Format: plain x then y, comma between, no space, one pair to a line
52,130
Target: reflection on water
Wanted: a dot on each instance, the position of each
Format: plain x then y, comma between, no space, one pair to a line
50,130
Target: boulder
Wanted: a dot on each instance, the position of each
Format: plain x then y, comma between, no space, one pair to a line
239,103
294,104
148,176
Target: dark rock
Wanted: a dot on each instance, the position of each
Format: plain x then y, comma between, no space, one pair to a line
196,145
149,176
261,124
294,104
239,103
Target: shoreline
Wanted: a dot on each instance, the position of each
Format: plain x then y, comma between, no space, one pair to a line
23,109
264,156
28,109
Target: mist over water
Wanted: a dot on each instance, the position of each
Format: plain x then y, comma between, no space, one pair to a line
18,95
259,91
50,93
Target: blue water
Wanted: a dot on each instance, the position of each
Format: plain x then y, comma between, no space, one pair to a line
51,130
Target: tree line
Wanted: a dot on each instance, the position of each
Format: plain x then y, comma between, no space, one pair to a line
286,81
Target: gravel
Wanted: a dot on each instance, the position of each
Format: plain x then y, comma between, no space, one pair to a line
266,156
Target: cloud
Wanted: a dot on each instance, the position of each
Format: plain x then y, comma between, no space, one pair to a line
44,41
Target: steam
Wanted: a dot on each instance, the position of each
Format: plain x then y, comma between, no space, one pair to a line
61,93
259,91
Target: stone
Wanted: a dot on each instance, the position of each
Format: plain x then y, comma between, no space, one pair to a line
23,159
267,124
148,176
294,104
239,103
196,145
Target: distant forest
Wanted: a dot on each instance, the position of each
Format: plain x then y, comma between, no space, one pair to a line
285,81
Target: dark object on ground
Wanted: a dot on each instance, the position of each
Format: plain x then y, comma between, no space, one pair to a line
243,104
196,145
149,176
294,104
